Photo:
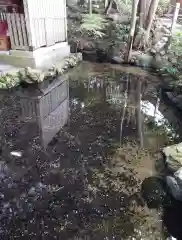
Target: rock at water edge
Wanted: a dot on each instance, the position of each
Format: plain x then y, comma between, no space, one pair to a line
175,98
117,60
173,157
175,184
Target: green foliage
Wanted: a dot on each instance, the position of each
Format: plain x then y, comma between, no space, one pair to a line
9,80
93,25
175,52
163,7
176,45
117,33
122,31
126,5
169,70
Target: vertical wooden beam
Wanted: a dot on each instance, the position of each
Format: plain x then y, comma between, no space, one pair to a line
14,28
28,23
65,20
19,30
10,29
175,17
24,30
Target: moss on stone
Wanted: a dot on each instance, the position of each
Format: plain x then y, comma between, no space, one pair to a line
30,75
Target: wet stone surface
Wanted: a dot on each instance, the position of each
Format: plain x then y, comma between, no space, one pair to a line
85,182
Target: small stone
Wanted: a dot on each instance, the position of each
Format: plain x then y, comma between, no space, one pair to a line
162,53
117,60
32,191
153,50
164,39
16,153
133,60
165,30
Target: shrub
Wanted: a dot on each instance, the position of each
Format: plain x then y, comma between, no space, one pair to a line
163,7
122,31
176,45
174,56
93,25
175,51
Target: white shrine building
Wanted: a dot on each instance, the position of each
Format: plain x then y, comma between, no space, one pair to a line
37,32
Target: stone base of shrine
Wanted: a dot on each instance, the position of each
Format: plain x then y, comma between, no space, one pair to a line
42,58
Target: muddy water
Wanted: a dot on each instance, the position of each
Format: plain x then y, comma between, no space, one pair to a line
84,182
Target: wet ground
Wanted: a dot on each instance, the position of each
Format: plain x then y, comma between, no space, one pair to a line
85,181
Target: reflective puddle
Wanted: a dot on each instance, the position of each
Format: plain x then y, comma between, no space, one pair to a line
74,154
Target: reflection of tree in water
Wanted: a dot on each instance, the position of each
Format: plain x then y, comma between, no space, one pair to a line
123,93
127,95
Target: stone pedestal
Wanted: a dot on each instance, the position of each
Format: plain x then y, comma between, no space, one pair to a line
42,58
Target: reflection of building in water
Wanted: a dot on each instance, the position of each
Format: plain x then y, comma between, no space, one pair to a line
49,107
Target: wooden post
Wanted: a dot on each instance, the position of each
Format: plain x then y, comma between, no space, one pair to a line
175,17
173,25
132,31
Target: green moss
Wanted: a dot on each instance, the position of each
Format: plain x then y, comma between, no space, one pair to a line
30,75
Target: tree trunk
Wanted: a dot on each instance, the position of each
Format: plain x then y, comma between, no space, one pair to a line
124,109
106,3
150,18
147,7
142,13
109,6
143,9
132,31
118,6
138,43
90,7
139,115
